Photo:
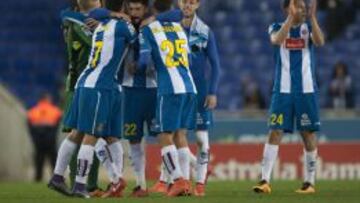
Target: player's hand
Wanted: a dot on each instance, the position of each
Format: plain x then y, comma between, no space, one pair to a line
92,23
292,8
131,68
147,21
120,15
313,9
210,102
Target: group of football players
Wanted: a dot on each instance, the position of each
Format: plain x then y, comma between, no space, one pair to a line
133,65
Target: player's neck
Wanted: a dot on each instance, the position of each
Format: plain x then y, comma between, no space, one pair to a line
187,21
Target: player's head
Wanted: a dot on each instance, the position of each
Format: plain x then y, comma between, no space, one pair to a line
161,6
189,7
137,10
74,5
300,7
114,5
87,5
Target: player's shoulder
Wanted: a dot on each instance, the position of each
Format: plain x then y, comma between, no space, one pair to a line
122,25
201,25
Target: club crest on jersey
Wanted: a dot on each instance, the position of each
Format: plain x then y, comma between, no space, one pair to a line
305,120
295,43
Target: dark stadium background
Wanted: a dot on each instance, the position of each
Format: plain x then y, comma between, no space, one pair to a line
33,61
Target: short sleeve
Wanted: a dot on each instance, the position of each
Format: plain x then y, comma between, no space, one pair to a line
274,28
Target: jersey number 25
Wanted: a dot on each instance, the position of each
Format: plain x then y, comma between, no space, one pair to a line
176,53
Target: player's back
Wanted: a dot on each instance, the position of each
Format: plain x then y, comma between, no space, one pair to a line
109,46
170,52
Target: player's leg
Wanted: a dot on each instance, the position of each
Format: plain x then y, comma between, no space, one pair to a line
136,103
92,120
310,160
170,159
280,120
67,148
116,153
188,122
169,119
308,122
84,163
114,145
203,123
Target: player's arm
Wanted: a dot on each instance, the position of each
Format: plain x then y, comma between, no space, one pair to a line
317,35
175,15
278,36
214,59
145,51
103,13
84,34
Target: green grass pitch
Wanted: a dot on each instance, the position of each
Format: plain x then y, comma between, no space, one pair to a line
217,192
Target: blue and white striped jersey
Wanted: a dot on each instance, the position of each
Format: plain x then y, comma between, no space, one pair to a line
168,45
142,78
295,61
109,46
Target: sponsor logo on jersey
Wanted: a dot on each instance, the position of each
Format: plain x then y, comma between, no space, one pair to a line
295,44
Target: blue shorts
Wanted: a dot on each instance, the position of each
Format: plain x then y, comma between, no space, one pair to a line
204,117
176,112
96,112
139,108
288,109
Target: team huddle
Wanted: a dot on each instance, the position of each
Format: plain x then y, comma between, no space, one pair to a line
134,66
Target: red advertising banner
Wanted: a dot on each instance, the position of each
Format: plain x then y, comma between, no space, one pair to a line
336,161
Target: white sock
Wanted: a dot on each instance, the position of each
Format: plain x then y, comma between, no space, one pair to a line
193,159
269,158
184,161
193,164
65,152
138,163
310,166
116,153
203,156
170,159
203,138
84,162
103,155
164,177
202,167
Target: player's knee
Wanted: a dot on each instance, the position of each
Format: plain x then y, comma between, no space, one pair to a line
275,137
89,140
309,139
75,136
111,140
181,140
166,139
134,142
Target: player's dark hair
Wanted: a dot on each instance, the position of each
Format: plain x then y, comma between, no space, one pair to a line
285,4
114,5
162,5
143,2
74,5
